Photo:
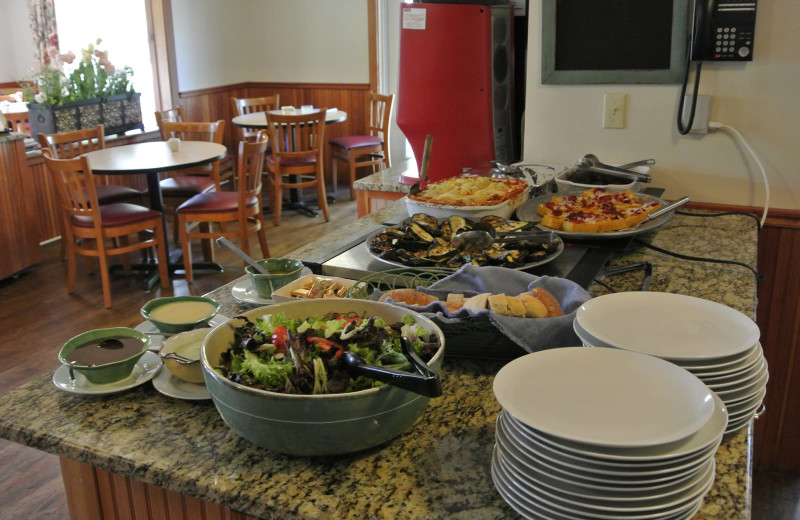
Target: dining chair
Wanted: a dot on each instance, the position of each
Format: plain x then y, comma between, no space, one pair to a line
212,131
242,106
19,122
371,149
224,207
175,115
68,145
168,115
94,230
297,155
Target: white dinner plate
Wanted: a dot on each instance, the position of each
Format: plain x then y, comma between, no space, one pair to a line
244,292
171,386
710,434
747,404
156,340
604,397
739,381
747,391
667,325
532,444
144,370
539,483
555,507
725,364
746,362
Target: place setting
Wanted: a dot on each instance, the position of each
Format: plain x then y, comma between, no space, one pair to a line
717,344
604,434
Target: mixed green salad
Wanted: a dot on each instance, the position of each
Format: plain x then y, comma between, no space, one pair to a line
297,356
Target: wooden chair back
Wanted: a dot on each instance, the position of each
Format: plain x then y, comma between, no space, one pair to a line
211,131
242,106
76,190
68,145
380,115
250,168
19,122
168,115
297,136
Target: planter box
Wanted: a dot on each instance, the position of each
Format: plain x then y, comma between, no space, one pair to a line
118,113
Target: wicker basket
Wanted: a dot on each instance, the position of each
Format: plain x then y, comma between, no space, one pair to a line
471,338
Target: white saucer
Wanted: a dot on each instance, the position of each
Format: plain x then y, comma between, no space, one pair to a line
171,386
156,340
244,292
144,370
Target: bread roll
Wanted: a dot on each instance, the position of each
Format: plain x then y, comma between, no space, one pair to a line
409,297
552,305
515,306
477,303
454,301
498,304
533,307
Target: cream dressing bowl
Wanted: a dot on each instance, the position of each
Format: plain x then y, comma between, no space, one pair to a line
107,372
184,345
311,425
179,325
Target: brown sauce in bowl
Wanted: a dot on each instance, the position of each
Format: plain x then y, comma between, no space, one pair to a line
106,350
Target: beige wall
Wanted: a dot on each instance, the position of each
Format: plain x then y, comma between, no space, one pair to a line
761,99
303,41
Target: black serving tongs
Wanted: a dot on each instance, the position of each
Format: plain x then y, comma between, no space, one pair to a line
426,382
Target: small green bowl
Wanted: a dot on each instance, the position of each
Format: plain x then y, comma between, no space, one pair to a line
175,327
289,269
108,372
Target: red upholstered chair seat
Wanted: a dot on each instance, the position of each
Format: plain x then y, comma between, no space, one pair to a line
357,141
186,187
117,214
304,161
217,201
110,193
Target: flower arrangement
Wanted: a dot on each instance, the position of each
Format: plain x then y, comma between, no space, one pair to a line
93,77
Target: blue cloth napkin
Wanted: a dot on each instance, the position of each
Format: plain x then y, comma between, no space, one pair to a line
532,334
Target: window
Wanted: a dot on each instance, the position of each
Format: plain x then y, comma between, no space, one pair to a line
122,26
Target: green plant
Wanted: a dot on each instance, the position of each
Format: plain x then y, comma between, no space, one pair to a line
94,76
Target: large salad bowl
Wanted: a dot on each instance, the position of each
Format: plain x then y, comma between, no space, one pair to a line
311,425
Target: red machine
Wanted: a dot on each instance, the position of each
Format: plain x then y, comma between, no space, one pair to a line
455,83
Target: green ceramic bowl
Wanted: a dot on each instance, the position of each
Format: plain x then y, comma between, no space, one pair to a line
311,425
108,372
284,270
183,313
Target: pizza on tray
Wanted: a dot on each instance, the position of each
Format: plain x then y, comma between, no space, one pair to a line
470,190
595,211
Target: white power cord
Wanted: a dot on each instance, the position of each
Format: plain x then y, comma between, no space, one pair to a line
713,125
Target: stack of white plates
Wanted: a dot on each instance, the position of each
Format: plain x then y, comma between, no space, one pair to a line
604,434
712,341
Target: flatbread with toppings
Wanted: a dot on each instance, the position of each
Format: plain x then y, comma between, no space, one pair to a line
595,211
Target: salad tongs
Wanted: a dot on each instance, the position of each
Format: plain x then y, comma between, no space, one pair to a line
426,382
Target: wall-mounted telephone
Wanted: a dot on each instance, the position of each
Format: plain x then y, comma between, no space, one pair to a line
723,30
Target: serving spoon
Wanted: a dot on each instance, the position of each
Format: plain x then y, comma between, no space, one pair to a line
241,254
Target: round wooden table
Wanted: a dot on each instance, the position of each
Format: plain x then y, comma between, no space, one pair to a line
150,159
259,119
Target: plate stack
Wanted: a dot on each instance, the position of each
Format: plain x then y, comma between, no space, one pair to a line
604,434
717,344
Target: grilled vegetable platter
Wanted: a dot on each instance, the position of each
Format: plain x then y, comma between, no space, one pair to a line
425,241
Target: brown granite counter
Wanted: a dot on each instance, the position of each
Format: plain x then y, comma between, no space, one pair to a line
439,468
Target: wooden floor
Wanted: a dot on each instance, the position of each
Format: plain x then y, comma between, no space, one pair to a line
38,316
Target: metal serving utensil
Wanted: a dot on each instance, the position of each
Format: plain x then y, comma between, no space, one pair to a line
425,382
183,360
591,162
241,254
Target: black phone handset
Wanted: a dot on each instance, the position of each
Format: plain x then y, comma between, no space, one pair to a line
722,30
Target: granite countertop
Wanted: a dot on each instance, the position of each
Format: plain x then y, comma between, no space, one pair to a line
439,468
11,136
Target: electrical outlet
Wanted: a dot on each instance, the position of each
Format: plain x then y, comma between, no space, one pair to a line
614,111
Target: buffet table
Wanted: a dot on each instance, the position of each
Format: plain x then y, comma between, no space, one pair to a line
163,457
